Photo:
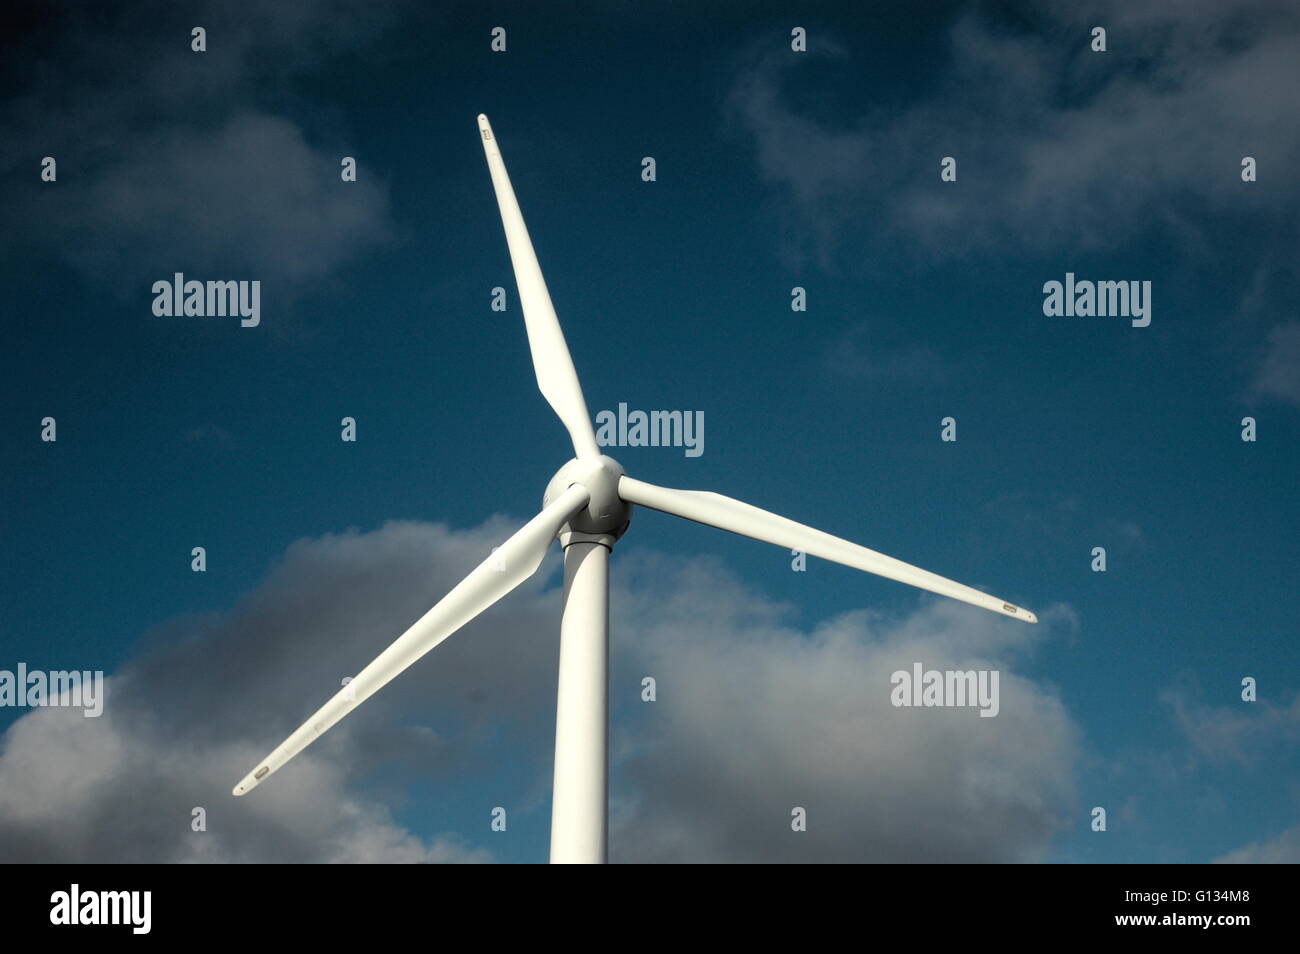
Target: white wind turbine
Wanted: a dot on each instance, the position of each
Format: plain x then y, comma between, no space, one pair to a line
587,505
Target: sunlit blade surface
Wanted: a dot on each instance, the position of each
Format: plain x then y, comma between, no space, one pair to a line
512,563
556,376
715,510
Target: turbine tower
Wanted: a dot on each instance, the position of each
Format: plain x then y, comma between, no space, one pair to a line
587,506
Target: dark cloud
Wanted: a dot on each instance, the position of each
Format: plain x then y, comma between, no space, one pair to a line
174,160
206,697
1056,145
1059,150
249,199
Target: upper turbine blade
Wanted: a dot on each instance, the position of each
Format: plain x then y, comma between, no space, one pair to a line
715,510
556,376
512,563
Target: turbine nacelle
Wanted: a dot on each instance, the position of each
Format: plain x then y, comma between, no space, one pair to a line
607,515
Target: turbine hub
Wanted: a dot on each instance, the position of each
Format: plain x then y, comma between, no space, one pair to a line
606,515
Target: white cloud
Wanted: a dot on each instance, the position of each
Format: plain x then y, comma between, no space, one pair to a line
858,353
116,789
754,716
1278,375
1236,733
1281,850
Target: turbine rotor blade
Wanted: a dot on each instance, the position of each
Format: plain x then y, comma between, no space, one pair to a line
556,377
512,563
724,513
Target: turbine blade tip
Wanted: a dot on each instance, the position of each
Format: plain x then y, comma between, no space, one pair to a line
1019,612
250,781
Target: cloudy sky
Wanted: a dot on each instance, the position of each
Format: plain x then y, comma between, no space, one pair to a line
775,169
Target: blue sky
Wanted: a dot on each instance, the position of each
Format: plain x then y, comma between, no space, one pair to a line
774,169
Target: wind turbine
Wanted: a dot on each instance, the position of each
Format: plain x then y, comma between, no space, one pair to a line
587,505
